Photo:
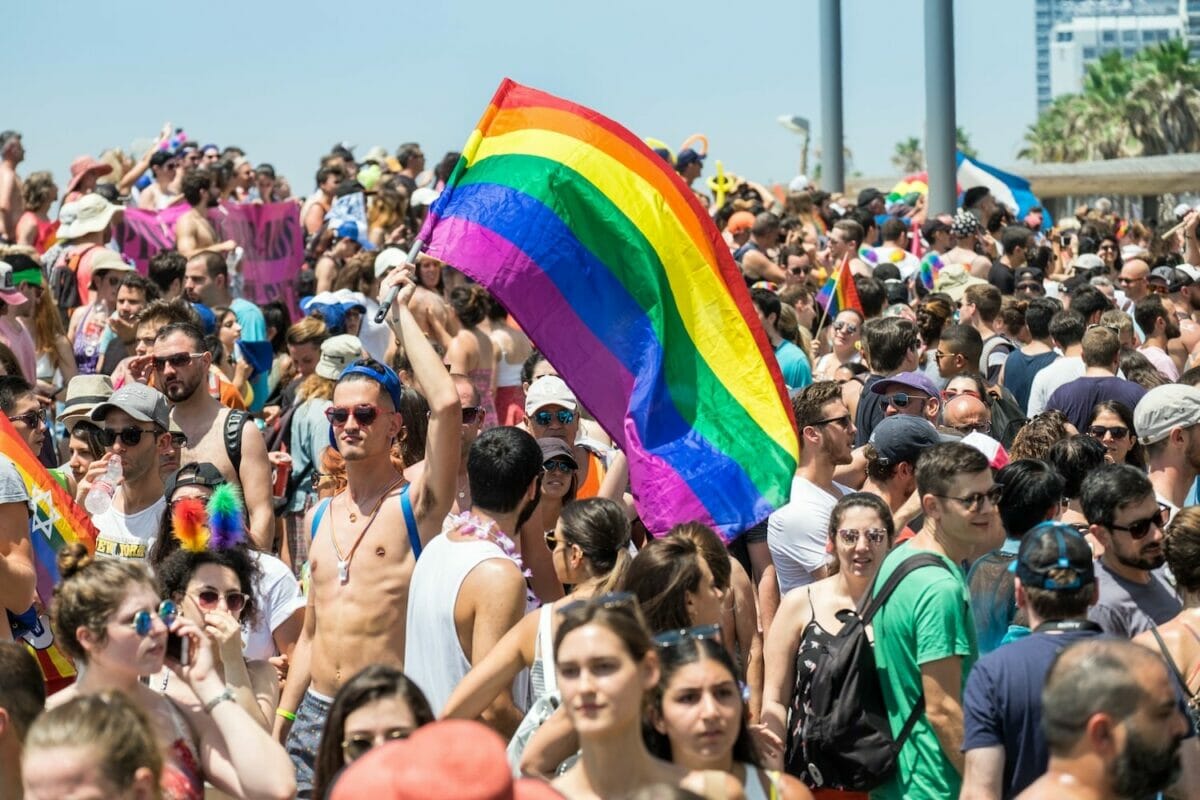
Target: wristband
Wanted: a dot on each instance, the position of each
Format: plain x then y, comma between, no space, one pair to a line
216,701
290,716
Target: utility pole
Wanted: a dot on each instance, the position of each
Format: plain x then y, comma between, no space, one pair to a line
939,107
832,166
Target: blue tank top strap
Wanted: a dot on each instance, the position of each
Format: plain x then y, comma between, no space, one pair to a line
322,507
410,521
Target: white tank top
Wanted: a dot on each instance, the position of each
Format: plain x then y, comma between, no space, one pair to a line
508,374
433,657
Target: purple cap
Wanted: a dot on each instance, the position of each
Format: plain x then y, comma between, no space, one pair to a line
917,381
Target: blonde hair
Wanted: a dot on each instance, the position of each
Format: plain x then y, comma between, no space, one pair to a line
315,387
108,724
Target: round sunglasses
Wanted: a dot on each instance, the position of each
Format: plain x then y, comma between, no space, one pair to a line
143,621
209,599
563,416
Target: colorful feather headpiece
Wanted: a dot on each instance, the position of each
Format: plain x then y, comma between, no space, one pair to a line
218,526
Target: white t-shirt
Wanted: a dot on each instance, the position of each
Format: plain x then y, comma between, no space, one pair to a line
798,533
128,536
278,594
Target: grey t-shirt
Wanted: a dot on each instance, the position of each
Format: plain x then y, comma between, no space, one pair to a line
12,488
1126,608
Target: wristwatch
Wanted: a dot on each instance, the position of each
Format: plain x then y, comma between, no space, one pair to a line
216,701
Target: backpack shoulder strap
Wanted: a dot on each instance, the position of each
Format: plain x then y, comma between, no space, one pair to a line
909,565
410,521
318,515
234,423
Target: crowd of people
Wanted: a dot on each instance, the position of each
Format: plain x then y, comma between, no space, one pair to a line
400,558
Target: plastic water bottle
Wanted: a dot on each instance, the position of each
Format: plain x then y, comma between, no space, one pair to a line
100,495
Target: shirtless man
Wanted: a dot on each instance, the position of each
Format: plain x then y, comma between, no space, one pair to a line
181,365
12,201
193,232
966,230
752,256
362,557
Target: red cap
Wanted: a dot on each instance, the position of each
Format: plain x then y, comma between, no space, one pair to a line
452,758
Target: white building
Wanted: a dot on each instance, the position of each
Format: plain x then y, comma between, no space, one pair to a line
1076,43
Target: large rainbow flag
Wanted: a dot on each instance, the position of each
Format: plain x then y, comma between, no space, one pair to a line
608,262
56,522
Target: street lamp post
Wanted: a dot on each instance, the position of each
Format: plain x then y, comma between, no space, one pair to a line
830,27
939,106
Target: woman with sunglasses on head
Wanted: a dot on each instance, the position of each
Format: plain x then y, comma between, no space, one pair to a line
698,717
109,617
861,532
607,665
1111,424
844,345
89,322
376,706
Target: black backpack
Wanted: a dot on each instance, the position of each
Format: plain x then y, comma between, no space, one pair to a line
848,741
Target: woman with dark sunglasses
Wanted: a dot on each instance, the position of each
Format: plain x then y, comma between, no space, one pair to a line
844,345
698,716
376,706
109,617
861,533
1111,424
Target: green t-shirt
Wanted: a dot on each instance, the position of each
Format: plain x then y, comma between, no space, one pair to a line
927,618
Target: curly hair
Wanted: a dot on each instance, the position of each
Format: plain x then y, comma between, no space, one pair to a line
176,568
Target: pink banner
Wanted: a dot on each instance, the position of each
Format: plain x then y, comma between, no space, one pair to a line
269,233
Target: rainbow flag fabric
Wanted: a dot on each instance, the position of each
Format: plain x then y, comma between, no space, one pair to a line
839,292
56,521
608,262
931,265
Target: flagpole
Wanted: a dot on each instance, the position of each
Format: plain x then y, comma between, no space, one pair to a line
837,275
409,260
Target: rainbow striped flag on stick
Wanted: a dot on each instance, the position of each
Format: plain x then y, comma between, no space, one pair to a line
839,292
56,521
607,261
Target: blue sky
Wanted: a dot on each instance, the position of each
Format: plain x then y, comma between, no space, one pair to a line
285,81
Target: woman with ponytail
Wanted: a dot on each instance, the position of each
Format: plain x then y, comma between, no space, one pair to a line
590,549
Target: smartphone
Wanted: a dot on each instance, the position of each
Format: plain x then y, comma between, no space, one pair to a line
177,648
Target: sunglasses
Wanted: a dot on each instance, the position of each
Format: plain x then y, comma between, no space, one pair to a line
1127,281
472,414
1139,529
847,327
544,418
902,399
552,540
364,414
130,437
31,419
209,599
178,440
974,501
359,745
143,621
558,466
1158,288
178,360
681,635
842,421
1031,288
850,536
608,600
1117,432
978,427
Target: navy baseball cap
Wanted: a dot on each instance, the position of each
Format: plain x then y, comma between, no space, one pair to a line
902,438
1054,556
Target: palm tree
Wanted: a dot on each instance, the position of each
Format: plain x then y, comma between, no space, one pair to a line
909,157
963,142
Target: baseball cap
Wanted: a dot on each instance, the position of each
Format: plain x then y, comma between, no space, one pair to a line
954,280
106,260
450,758
917,381
1172,277
868,195
388,258
84,393
195,473
138,401
901,439
347,230
687,156
1087,261
1163,408
799,183
556,448
1029,274
8,287
549,390
992,450
337,352
1054,556
739,222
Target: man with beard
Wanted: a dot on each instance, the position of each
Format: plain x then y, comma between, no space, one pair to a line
233,444
193,232
1156,317
1125,516
798,533
468,589
1166,421
368,536
1112,724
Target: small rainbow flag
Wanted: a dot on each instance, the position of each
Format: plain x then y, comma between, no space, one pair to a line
839,292
605,258
56,521
931,265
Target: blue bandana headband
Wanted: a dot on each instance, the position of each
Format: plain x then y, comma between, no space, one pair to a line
388,379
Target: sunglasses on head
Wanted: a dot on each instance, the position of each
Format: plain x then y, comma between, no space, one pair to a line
364,414
472,414
360,744
209,599
1139,528
608,600
558,466
143,621
31,419
850,536
1117,432
681,635
544,418
178,360
130,437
